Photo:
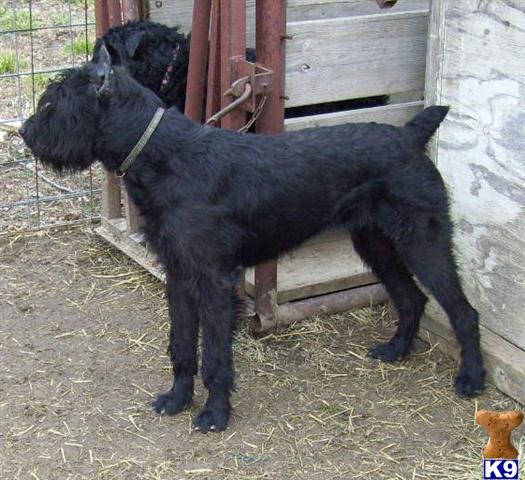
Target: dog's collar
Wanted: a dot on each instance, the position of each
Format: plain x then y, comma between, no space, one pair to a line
169,70
122,169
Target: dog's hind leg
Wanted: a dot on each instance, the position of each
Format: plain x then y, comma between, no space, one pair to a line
182,348
427,252
380,254
217,301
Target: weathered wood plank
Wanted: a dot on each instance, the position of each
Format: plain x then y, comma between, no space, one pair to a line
355,57
392,114
434,64
132,215
324,265
180,12
133,249
480,153
110,208
299,10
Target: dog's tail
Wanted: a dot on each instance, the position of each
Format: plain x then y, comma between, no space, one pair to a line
424,124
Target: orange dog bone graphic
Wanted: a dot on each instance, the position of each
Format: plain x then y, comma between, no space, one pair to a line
499,426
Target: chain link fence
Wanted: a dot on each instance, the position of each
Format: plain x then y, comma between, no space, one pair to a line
38,40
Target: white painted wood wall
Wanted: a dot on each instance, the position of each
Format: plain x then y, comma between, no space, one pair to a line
476,65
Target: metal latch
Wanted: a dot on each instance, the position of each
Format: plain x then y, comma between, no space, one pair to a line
259,78
253,80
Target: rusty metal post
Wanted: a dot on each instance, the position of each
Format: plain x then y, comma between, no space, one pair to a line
106,15
328,304
233,44
101,17
131,10
196,84
213,94
270,17
114,13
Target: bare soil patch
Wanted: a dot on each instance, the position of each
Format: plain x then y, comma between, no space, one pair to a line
83,333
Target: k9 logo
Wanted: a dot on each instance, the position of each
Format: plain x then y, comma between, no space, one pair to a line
500,469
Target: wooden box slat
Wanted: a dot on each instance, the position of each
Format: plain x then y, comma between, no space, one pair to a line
299,10
355,57
325,264
179,12
392,114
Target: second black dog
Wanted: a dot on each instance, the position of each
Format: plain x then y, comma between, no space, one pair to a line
213,200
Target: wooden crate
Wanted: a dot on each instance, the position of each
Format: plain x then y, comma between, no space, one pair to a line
475,64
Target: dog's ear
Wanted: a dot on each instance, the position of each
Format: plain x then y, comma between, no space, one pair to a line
103,69
133,43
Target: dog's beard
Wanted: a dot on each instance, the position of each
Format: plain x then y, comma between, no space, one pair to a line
60,157
65,165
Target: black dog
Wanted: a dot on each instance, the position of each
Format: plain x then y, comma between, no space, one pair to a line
157,57
213,200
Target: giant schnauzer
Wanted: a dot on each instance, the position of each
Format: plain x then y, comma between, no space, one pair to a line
213,200
157,57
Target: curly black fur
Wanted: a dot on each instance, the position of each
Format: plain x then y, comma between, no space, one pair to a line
146,49
213,200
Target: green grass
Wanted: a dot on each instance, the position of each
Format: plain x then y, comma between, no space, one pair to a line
81,47
59,18
41,80
23,21
7,62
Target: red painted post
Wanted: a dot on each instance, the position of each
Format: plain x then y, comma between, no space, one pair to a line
270,50
130,10
233,44
213,94
114,13
101,17
196,85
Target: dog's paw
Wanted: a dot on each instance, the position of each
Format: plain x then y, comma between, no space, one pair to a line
172,402
214,419
470,381
389,352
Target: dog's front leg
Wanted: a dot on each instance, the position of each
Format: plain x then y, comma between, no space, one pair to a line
217,305
182,348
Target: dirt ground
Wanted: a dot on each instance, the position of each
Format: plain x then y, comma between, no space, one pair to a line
83,334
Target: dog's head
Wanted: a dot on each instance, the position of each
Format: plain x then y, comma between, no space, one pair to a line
147,49
76,112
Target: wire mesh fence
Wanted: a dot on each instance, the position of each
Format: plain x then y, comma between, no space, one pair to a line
38,40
